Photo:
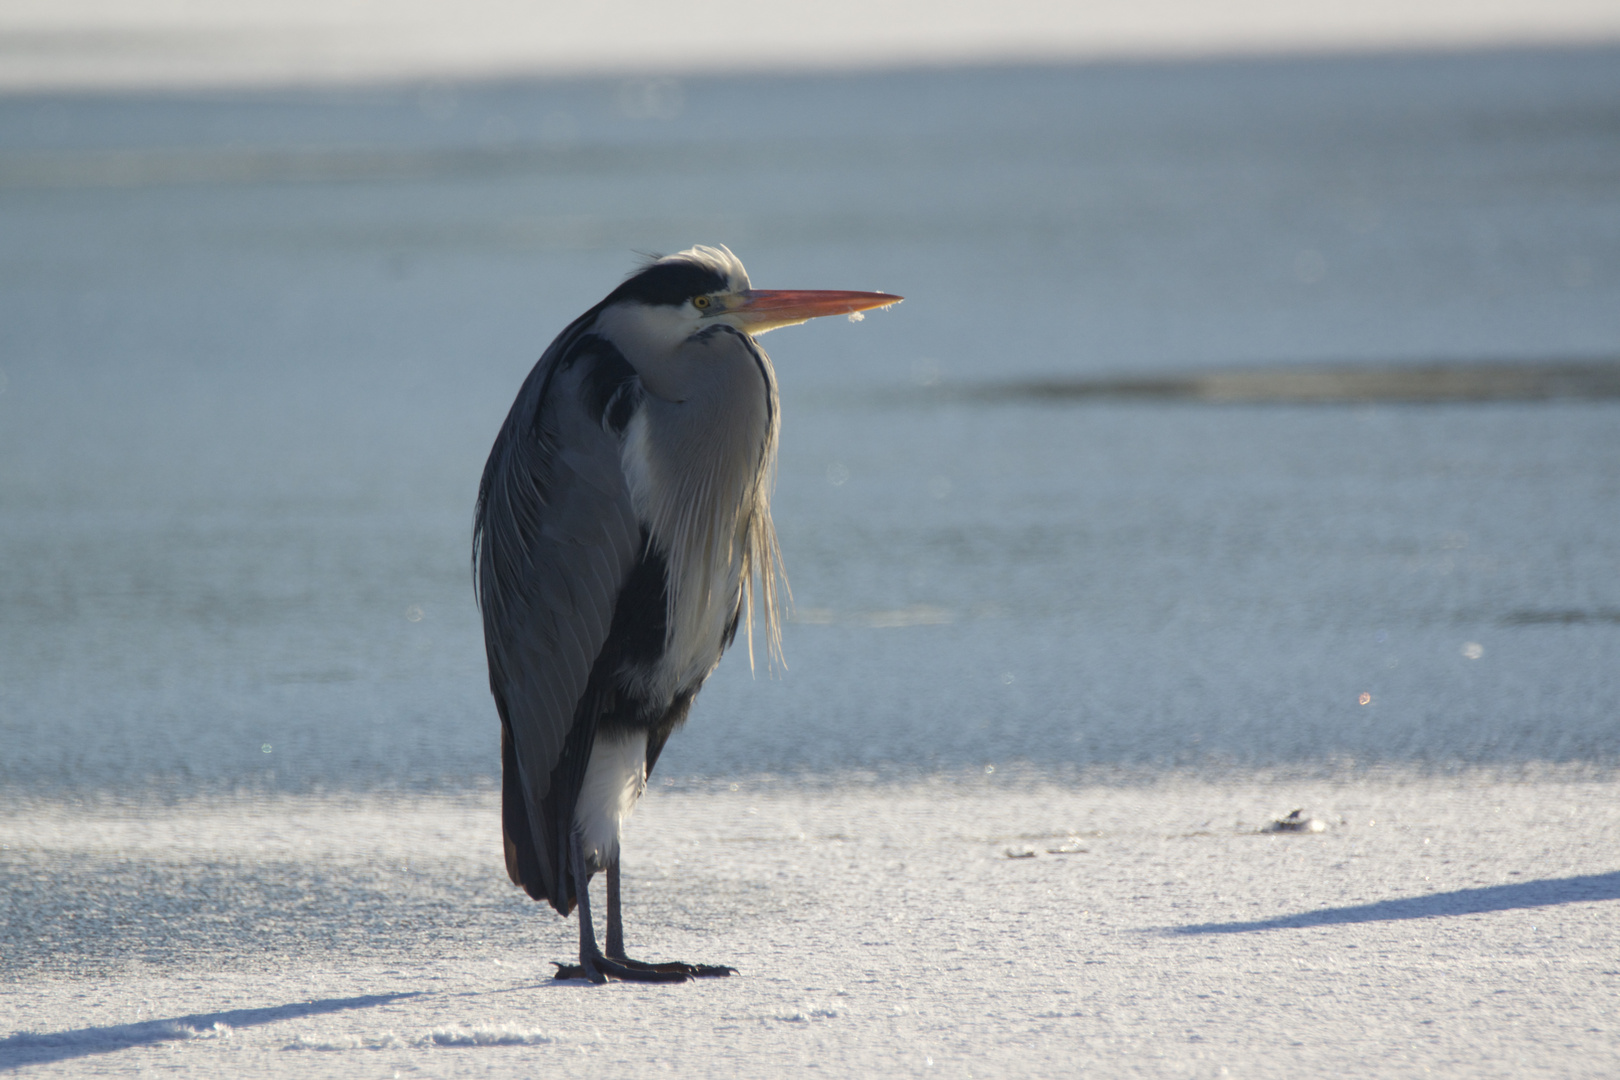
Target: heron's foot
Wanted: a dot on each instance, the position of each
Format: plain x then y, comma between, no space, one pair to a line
690,971
601,969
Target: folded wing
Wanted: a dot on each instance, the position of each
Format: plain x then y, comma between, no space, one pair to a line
555,538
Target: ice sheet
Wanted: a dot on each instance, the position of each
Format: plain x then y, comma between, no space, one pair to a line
1461,925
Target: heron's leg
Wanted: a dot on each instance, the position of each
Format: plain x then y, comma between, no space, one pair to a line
615,921
588,954
615,939
598,968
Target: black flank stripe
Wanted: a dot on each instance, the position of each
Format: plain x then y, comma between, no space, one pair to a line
641,617
610,385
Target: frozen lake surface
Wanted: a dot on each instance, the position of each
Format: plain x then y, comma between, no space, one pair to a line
255,348
1001,927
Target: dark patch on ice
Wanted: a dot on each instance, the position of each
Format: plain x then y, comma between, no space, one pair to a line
1523,894
1296,822
39,1048
1326,384
1568,617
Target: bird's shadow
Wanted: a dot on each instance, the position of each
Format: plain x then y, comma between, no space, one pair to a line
1543,892
38,1048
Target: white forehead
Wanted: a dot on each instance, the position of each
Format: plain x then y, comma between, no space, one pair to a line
719,259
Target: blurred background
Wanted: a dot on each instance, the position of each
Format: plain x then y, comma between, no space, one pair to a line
1255,402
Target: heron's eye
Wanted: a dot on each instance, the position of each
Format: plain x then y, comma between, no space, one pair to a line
700,302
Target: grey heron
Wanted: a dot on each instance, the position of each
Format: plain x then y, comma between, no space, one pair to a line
623,531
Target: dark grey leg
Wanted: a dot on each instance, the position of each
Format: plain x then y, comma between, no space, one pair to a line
615,940
588,954
615,927
598,968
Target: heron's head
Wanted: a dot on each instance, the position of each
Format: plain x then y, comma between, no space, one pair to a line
675,297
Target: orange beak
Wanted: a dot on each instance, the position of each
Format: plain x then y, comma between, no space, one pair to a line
759,310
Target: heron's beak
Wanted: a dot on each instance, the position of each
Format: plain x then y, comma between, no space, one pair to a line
759,310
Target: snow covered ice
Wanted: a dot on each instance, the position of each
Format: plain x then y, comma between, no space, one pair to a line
1461,924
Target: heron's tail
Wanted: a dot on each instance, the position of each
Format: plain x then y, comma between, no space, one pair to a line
523,862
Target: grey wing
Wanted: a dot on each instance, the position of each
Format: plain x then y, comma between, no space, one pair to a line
555,538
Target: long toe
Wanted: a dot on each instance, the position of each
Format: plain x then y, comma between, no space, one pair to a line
639,971
631,971
714,971
691,971
580,971
708,971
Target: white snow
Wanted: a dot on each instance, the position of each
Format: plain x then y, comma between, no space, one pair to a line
1460,924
